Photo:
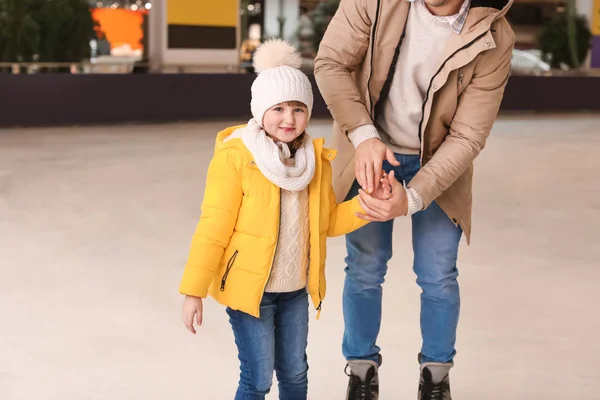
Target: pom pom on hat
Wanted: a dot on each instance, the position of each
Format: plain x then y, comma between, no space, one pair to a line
275,53
279,79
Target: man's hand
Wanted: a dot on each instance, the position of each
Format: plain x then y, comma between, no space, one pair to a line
384,210
368,161
192,307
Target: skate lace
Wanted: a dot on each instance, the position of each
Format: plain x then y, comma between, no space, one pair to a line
359,390
435,391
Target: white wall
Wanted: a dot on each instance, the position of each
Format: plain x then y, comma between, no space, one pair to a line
291,11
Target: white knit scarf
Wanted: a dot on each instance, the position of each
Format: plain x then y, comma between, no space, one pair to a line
270,157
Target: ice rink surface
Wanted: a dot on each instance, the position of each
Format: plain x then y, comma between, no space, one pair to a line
95,224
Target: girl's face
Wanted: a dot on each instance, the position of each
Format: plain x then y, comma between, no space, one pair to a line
284,122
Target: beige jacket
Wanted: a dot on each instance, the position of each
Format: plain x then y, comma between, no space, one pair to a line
354,69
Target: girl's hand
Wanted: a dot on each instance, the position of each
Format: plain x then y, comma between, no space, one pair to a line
383,191
192,306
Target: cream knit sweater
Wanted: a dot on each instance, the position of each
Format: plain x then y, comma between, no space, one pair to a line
290,266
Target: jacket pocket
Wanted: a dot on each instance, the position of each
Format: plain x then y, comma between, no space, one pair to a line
228,269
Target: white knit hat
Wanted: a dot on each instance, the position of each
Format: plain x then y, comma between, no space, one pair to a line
279,78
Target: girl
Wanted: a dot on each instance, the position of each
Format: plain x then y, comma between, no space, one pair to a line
259,247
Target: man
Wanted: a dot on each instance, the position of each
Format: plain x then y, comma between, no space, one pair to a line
413,86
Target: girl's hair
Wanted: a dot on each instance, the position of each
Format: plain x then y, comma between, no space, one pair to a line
297,143
295,104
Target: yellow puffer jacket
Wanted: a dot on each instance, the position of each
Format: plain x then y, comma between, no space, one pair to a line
234,244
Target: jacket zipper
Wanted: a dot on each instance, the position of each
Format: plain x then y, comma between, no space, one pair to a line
274,251
229,265
373,55
429,89
318,308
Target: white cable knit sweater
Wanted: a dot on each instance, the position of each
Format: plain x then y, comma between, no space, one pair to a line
290,267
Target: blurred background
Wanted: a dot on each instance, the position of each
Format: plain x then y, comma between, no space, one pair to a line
184,48
190,36
108,115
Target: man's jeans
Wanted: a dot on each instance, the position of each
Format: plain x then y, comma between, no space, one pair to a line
275,341
435,244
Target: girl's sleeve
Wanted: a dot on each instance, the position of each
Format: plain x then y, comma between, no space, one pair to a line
220,207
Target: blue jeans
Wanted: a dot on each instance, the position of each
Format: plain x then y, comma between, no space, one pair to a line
275,341
435,244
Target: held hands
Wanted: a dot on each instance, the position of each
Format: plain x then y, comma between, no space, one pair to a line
382,206
192,307
381,200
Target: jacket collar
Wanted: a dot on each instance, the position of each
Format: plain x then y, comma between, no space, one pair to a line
483,13
476,14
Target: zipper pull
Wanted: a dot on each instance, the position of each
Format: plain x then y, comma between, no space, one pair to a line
460,76
319,310
229,266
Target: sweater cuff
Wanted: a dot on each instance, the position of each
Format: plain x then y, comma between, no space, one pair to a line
363,133
415,202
